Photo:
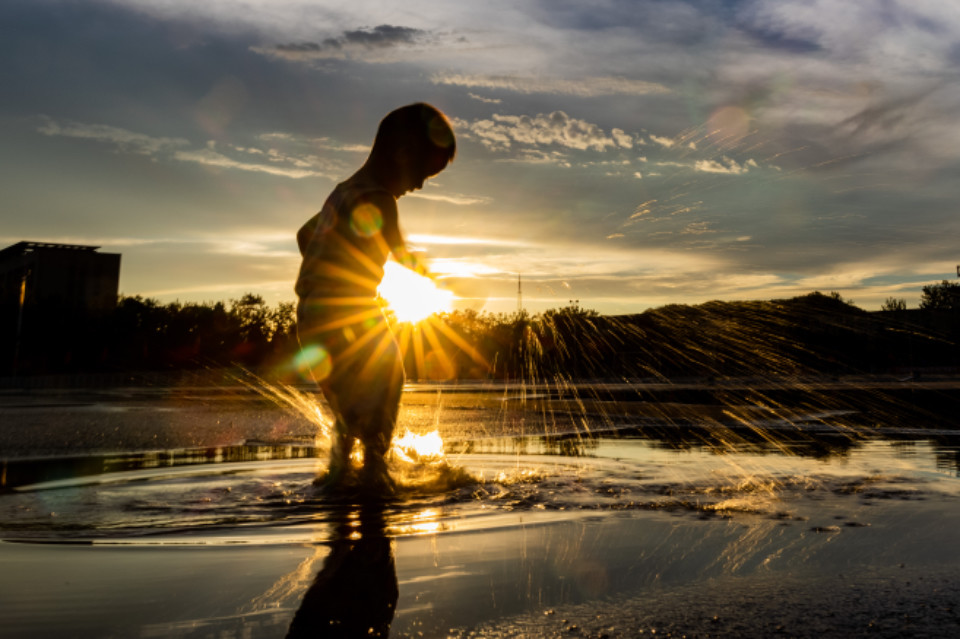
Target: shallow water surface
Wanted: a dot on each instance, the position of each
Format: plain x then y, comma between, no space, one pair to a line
508,533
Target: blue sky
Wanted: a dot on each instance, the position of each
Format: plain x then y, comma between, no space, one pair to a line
623,154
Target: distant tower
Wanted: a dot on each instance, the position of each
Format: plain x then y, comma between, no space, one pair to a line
519,294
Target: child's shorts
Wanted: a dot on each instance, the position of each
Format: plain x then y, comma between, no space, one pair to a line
351,353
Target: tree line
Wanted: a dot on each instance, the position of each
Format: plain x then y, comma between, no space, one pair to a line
815,333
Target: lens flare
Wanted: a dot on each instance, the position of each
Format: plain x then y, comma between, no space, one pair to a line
410,296
313,360
366,220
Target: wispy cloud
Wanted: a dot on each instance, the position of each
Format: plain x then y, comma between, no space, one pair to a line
583,87
210,157
480,98
128,141
450,198
325,143
275,162
358,43
456,240
538,156
457,267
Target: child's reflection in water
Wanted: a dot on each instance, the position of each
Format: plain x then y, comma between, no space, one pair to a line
355,593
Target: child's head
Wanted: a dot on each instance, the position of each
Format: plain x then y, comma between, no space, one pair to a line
415,141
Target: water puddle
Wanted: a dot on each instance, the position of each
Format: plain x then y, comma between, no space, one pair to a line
534,535
262,494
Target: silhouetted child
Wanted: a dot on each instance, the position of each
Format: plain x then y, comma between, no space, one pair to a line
344,338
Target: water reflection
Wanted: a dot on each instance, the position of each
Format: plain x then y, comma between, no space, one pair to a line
355,593
794,442
22,472
823,445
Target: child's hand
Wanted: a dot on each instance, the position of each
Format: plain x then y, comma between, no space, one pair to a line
412,262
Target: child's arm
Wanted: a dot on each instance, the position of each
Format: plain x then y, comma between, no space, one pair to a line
394,237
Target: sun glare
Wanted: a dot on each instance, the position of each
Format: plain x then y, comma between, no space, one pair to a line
414,448
410,296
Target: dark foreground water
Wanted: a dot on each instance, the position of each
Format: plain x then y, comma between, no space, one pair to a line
797,526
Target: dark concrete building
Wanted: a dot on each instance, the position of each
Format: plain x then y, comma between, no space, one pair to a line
51,293
71,277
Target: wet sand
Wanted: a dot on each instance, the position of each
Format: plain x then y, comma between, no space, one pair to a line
615,538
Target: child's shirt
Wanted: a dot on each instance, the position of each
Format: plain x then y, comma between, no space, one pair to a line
343,248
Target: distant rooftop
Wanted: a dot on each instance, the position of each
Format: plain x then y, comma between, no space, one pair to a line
24,247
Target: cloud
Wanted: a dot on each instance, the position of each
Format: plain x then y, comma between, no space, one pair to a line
451,240
557,128
663,141
459,200
381,36
277,163
480,98
536,156
210,157
622,139
583,87
697,228
254,248
899,34
358,43
447,267
127,141
319,143
725,165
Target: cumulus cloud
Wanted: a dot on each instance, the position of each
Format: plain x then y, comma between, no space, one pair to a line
725,165
349,44
663,141
583,87
557,128
622,139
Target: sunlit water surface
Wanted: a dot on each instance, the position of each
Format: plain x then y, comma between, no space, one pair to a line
226,541
206,497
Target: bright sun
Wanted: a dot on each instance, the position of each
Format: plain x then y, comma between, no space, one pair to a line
412,297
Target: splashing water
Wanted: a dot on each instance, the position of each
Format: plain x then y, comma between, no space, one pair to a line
417,460
413,448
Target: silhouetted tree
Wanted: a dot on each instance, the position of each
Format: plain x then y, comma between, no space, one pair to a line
815,333
894,304
943,296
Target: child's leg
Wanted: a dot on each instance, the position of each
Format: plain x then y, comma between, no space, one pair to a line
341,445
330,371
363,387
377,433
